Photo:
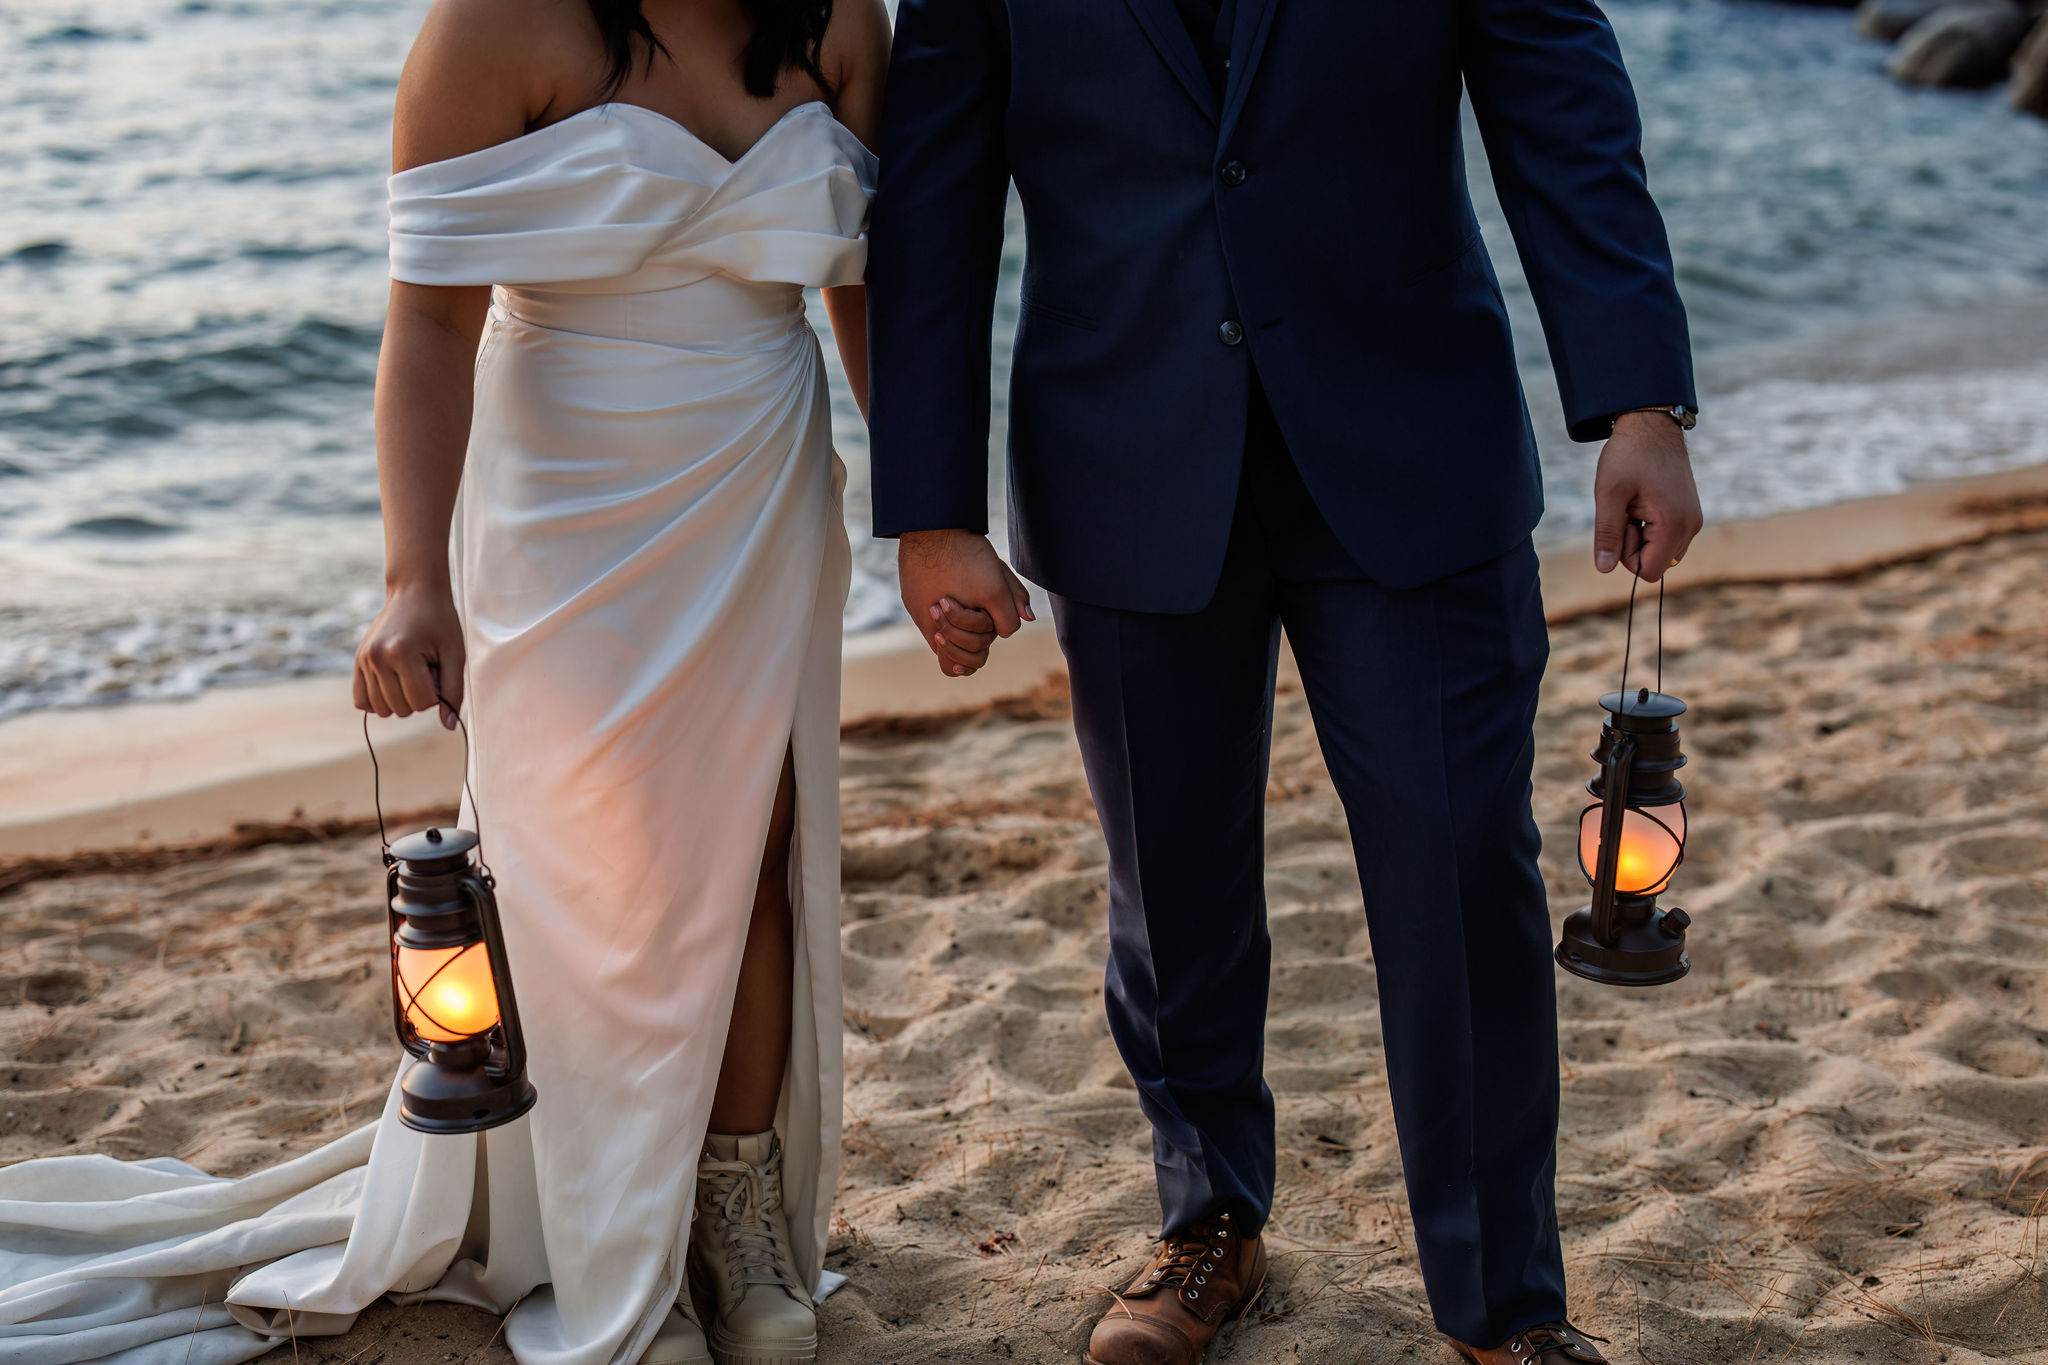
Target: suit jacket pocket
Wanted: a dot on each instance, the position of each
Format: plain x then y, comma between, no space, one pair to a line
1034,308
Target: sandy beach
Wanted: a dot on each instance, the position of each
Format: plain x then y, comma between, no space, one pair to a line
1829,1143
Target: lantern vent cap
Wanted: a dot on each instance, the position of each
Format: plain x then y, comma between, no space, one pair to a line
434,845
1638,704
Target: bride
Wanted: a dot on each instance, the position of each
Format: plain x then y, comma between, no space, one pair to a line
597,382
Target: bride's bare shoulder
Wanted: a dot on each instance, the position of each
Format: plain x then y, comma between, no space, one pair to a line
483,72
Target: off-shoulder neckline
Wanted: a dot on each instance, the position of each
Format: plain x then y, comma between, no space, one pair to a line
697,138
610,106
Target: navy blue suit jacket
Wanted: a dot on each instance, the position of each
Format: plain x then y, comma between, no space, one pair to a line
1314,223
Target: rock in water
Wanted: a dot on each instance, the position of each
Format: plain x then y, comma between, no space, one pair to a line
1888,20
2030,72
1967,46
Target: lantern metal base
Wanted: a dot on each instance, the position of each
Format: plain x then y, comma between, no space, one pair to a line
437,1098
1650,951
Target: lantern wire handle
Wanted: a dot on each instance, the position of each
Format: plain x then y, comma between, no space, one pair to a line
1629,629
377,791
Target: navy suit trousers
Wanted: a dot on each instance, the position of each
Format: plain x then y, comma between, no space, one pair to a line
1423,700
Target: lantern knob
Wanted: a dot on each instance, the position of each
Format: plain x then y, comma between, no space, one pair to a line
1674,923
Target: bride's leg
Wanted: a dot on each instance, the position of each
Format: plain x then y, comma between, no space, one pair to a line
739,1246
757,1044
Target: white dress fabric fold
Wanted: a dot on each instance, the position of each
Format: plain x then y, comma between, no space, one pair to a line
651,568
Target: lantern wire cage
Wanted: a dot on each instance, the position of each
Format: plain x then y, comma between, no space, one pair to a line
1638,841
413,999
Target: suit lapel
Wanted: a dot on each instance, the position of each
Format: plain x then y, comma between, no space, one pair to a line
1162,24
1247,46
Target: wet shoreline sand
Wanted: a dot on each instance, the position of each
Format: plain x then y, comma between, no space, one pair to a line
185,772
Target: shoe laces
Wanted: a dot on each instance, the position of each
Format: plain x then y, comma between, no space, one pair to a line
747,1196
1191,1255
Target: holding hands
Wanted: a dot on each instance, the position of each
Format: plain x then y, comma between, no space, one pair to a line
961,595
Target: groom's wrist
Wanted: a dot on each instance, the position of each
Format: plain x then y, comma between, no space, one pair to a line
936,536
1683,415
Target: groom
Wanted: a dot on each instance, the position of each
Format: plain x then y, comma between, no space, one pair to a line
1263,378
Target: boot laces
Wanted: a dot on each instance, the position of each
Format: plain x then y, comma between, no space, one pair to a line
1190,1256
747,1196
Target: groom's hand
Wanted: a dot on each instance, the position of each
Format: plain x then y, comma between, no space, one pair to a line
1645,508
961,595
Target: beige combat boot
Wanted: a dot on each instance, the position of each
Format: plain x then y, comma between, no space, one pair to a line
679,1341
739,1248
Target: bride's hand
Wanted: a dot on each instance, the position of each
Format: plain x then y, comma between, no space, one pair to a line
413,651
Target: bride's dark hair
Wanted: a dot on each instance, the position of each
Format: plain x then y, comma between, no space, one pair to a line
786,33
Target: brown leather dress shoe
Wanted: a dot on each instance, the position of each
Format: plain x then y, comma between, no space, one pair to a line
1202,1277
1551,1343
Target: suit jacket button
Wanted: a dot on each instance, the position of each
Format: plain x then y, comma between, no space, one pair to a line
1233,172
1230,334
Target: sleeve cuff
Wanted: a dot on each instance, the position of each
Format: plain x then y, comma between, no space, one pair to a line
1601,427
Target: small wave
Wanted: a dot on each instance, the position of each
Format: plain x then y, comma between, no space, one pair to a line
70,33
128,387
175,654
123,527
295,251
39,253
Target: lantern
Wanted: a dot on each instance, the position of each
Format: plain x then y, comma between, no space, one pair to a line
1631,841
451,991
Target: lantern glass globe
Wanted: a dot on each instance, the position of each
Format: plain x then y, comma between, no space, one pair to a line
1650,847
448,992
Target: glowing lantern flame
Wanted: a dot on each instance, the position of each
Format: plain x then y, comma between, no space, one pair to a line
448,992
1649,849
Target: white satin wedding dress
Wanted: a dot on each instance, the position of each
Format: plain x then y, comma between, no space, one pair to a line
651,568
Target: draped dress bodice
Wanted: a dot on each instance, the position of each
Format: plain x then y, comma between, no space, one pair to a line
619,199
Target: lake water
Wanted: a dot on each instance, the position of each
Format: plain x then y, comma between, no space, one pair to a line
193,273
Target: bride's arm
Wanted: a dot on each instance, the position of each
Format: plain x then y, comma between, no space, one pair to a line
860,33
466,86
847,306
414,647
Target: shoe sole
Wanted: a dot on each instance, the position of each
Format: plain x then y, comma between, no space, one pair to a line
1244,1306
726,1352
